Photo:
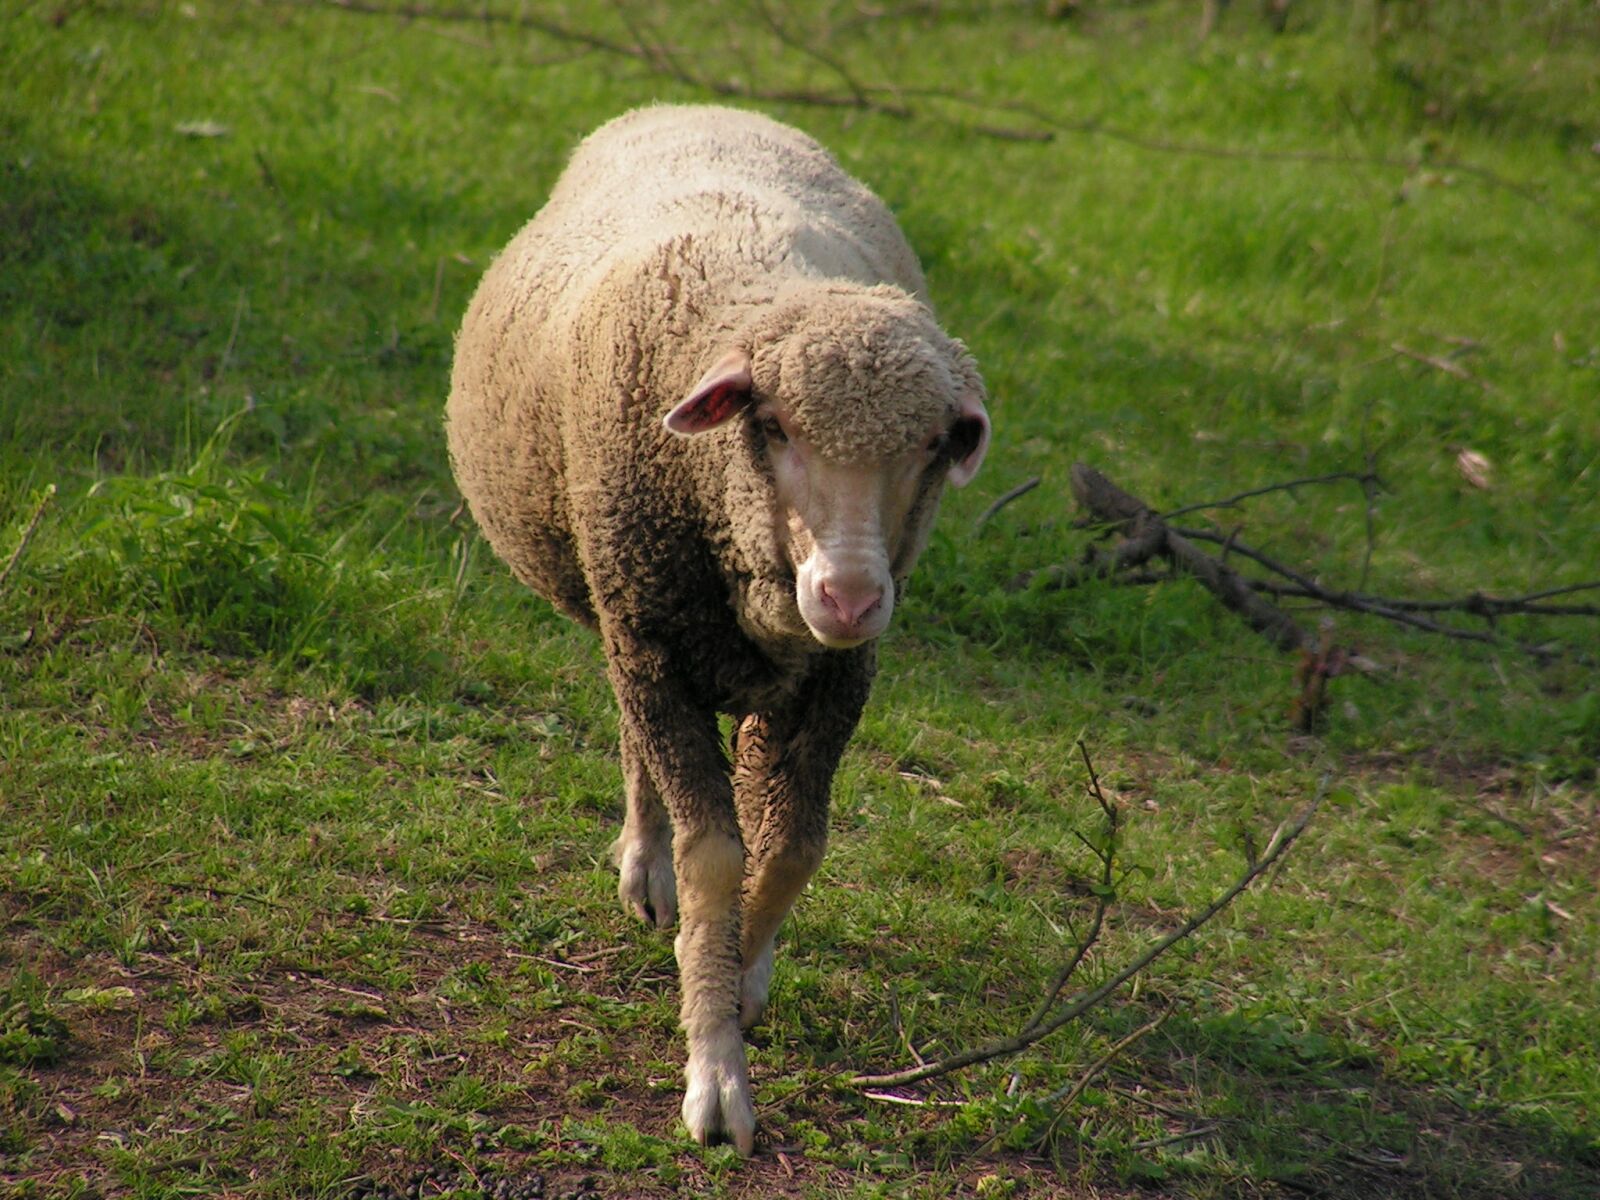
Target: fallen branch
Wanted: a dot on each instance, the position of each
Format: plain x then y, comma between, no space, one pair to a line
1364,478
1454,369
1477,604
1147,534
1283,837
894,100
1104,892
1302,587
1066,1095
1016,493
1109,503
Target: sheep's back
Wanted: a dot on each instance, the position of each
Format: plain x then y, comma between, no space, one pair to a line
661,216
762,195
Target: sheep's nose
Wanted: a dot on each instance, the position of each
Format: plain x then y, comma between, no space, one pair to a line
851,605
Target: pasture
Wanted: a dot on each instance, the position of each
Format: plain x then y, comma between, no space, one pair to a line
305,804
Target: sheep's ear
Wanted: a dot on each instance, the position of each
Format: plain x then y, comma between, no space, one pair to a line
722,392
970,436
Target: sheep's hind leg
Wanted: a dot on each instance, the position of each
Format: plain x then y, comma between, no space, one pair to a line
647,884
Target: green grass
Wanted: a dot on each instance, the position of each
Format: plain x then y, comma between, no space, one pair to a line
304,804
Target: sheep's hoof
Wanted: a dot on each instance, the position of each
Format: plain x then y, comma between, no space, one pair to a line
716,1106
753,988
647,886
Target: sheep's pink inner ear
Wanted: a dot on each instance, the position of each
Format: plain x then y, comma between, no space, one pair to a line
721,392
973,427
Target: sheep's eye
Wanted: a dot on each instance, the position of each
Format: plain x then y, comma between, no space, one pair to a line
964,437
772,430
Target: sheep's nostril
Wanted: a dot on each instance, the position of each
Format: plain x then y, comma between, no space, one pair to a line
851,606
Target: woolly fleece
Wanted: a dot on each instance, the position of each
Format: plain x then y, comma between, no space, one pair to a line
675,236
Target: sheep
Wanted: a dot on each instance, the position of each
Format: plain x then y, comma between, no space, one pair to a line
700,403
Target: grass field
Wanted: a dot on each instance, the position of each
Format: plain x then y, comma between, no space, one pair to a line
304,805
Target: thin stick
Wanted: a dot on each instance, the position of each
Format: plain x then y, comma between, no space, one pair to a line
1237,547
1369,489
1283,837
27,533
1453,369
1361,477
788,1097
1103,897
1065,1096
1477,604
890,100
1016,493
1173,1139
233,336
1301,586
813,49
1106,500
912,1101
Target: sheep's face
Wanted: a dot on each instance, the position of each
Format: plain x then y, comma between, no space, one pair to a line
850,530
856,468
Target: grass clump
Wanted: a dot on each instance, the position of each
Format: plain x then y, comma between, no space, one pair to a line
217,554
218,557
31,1034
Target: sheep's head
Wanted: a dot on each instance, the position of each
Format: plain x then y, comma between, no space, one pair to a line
859,409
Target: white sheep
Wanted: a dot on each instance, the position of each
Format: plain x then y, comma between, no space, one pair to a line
700,404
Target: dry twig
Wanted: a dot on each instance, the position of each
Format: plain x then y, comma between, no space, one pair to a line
1104,892
1016,493
1454,369
1362,477
1147,535
1036,125
1405,612
1109,503
1282,839
1066,1095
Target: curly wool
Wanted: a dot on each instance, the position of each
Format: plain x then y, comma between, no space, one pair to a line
863,376
674,235
722,268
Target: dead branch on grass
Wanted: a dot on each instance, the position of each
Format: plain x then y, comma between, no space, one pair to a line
1449,366
1362,477
1016,493
1065,1096
1104,892
890,99
1060,1015
1147,534
1402,611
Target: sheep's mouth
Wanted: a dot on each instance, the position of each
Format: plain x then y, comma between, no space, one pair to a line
835,643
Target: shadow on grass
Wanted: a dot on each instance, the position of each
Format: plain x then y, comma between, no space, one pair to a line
1317,1116
132,329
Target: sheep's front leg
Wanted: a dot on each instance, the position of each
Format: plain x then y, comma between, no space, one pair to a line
643,850
677,741
786,833
717,1100
783,772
